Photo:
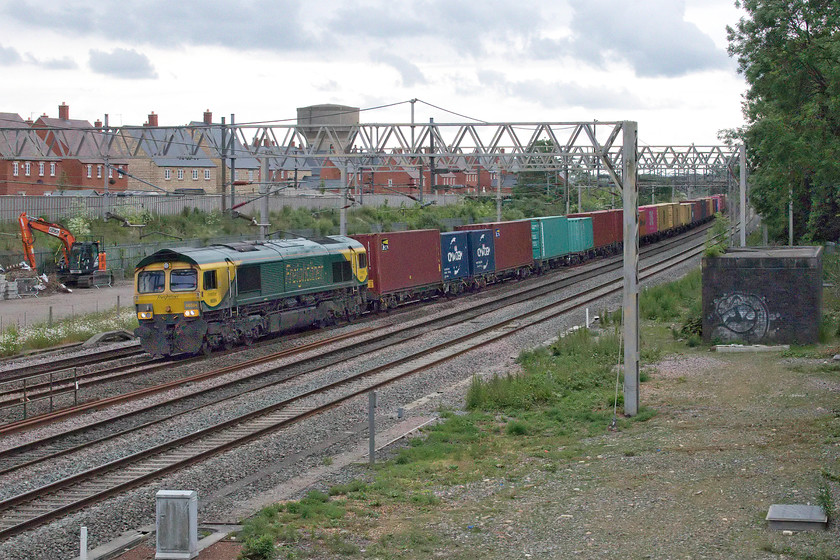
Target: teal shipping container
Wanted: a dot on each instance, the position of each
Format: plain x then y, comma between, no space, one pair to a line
550,237
581,236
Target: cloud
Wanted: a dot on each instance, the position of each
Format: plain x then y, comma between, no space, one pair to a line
411,75
8,56
65,63
468,27
557,95
330,86
273,25
122,63
651,35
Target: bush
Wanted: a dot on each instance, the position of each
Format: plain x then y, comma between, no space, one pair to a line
259,548
516,428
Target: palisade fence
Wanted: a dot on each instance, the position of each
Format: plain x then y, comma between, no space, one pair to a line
121,259
56,208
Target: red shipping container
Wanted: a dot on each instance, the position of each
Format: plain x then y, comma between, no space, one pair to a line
648,222
607,226
401,260
512,243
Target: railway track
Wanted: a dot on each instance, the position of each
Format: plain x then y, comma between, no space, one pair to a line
553,282
28,369
40,505
40,392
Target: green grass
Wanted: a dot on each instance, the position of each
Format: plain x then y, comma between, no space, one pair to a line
14,339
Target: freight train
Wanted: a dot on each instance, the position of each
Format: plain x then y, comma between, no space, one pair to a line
191,300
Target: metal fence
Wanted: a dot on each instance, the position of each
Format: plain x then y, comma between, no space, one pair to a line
62,207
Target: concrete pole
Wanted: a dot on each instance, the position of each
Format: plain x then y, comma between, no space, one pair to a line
342,214
372,427
631,269
499,195
264,221
83,544
224,165
232,163
106,170
567,191
742,211
790,218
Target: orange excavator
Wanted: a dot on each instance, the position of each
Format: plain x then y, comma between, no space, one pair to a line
81,259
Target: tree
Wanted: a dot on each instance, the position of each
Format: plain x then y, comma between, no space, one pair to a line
789,53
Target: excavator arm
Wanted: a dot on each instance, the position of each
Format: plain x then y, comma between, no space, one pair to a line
28,225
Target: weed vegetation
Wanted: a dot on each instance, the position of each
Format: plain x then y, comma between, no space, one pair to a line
15,339
445,494
563,393
197,224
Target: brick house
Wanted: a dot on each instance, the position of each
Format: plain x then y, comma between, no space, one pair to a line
84,167
208,135
169,163
25,164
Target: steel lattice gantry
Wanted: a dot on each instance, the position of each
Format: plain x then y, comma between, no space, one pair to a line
524,146
503,147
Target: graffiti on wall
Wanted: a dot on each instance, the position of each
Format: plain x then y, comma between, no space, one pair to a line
741,317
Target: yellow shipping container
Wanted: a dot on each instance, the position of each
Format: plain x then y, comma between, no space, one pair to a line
685,214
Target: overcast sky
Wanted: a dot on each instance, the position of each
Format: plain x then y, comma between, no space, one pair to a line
662,63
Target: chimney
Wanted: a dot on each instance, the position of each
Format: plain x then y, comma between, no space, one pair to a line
64,111
29,121
208,117
153,119
97,124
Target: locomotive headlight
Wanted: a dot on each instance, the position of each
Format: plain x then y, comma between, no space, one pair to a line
191,309
144,311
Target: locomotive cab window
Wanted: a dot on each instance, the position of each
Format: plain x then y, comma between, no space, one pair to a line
183,280
362,260
210,280
151,282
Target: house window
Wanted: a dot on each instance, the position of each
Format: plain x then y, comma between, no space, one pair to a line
250,175
180,174
195,174
167,174
40,168
206,174
110,172
15,169
27,168
89,171
52,169
390,182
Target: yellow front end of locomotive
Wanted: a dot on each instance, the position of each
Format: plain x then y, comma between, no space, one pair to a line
167,289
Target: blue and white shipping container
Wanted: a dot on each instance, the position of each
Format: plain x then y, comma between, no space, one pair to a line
482,252
454,255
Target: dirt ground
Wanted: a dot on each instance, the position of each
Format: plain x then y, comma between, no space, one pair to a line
32,310
733,434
